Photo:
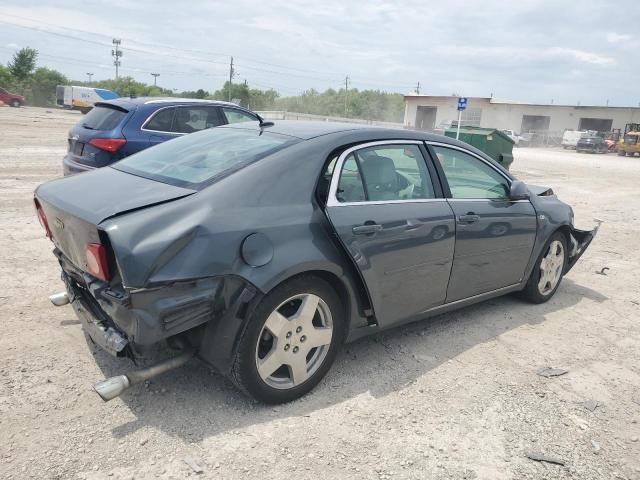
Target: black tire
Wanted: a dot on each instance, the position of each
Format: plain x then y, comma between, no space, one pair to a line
531,291
621,153
15,103
244,372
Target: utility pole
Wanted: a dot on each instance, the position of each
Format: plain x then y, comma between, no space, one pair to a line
89,75
418,88
230,77
346,89
116,53
155,77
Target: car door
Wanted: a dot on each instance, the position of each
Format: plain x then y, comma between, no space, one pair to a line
494,235
388,211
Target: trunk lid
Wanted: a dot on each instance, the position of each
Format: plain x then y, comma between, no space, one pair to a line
76,205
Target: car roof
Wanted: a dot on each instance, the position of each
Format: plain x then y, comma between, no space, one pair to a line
128,102
306,130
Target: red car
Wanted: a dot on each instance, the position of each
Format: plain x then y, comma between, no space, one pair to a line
11,98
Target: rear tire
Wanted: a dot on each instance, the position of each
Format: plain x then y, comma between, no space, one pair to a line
621,153
290,341
548,271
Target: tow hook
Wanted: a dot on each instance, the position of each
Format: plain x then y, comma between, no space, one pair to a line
59,299
113,387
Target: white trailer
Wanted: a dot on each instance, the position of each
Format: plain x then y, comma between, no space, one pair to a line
81,98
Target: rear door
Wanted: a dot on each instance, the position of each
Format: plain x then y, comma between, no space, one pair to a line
494,235
390,216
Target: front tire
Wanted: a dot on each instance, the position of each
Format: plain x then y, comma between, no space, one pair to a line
290,341
621,153
548,271
16,103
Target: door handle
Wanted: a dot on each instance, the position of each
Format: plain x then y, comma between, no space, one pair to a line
366,229
469,218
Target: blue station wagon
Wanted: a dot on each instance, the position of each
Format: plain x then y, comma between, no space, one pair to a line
118,128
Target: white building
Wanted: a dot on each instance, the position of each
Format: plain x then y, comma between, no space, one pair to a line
425,112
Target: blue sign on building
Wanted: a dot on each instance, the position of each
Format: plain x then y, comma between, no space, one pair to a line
462,104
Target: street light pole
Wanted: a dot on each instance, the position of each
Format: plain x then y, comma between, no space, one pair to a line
90,75
155,77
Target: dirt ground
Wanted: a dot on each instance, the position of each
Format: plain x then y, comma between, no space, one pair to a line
455,397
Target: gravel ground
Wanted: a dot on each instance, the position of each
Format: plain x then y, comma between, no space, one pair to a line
454,397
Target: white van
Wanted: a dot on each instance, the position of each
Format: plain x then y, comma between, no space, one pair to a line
81,98
570,137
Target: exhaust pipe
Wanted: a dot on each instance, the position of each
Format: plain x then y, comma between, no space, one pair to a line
59,299
113,387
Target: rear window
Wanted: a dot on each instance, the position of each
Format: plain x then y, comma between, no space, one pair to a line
103,118
195,160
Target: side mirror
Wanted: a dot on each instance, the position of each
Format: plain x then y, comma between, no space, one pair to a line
519,191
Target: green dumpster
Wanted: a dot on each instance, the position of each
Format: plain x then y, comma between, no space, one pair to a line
491,141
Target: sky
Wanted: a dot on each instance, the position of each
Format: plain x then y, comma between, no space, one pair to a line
542,51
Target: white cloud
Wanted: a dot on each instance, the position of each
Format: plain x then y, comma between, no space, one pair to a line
582,56
12,45
524,54
613,37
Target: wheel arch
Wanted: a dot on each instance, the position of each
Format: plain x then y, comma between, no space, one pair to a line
353,298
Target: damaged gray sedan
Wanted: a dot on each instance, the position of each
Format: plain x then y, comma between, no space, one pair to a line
261,249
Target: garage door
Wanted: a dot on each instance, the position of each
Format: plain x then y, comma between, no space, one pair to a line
597,124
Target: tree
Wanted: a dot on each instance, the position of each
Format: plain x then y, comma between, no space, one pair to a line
239,92
6,80
23,63
43,86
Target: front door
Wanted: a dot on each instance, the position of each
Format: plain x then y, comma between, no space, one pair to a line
391,217
494,235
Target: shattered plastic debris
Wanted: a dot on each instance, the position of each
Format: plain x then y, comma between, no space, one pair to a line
541,457
591,405
552,372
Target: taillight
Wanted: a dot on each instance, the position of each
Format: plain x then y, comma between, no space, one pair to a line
111,145
42,218
96,260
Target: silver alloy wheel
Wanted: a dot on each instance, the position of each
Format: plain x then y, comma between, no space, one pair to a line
551,267
294,341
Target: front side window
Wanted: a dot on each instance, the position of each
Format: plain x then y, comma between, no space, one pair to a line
469,177
236,116
384,173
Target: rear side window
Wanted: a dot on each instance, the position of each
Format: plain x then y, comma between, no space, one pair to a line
161,121
103,118
193,161
236,116
385,173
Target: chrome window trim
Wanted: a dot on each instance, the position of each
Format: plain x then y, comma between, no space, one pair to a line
332,200
385,202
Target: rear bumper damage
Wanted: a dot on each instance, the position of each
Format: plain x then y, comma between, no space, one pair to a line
579,241
207,314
